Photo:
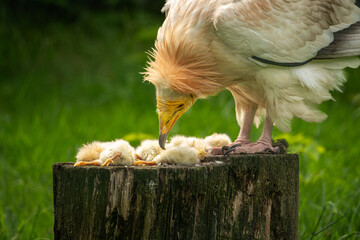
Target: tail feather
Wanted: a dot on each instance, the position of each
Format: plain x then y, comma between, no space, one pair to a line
346,43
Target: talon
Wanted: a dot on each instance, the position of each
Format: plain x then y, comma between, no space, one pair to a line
224,148
236,145
229,151
232,148
277,150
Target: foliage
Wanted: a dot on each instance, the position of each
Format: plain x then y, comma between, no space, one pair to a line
66,84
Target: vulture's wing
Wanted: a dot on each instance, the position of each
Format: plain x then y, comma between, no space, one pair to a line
283,32
346,43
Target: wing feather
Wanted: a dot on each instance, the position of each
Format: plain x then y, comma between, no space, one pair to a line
283,31
346,43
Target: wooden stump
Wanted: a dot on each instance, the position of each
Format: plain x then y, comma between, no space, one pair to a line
237,197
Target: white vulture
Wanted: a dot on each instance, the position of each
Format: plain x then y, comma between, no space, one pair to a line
278,58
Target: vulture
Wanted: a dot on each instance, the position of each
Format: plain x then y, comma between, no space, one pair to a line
278,58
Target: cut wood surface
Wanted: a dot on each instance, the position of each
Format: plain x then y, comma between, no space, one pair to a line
233,197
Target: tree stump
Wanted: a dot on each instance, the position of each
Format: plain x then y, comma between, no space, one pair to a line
233,197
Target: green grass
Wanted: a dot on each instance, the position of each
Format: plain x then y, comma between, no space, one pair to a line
65,84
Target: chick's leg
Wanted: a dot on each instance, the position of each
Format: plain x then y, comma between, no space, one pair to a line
263,144
83,163
143,163
111,160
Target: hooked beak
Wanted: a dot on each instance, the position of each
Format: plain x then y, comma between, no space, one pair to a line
169,112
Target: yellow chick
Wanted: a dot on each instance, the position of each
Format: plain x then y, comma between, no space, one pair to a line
198,143
194,142
118,152
178,155
217,140
89,154
148,150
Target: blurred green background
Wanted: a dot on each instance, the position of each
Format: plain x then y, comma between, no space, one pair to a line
69,74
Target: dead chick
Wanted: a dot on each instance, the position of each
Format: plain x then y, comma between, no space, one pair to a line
148,150
198,143
118,152
194,142
89,154
178,155
217,140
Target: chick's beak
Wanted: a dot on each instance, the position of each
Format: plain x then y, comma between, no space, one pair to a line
169,112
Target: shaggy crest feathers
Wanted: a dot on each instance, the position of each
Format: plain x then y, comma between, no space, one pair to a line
183,66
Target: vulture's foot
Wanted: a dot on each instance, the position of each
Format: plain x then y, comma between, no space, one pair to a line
261,146
83,163
222,150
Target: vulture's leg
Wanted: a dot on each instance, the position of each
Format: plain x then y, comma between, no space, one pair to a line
263,144
244,134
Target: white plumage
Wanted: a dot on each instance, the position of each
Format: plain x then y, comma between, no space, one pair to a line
278,59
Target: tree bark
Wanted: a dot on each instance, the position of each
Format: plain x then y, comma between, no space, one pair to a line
236,197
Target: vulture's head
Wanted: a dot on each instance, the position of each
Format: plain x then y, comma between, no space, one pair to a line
170,106
181,72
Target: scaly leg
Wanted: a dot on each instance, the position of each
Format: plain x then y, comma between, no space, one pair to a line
244,134
263,144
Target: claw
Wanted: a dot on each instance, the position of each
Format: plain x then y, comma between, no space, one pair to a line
277,150
232,148
229,151
224,148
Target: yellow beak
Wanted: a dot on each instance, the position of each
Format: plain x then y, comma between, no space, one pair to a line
169,112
